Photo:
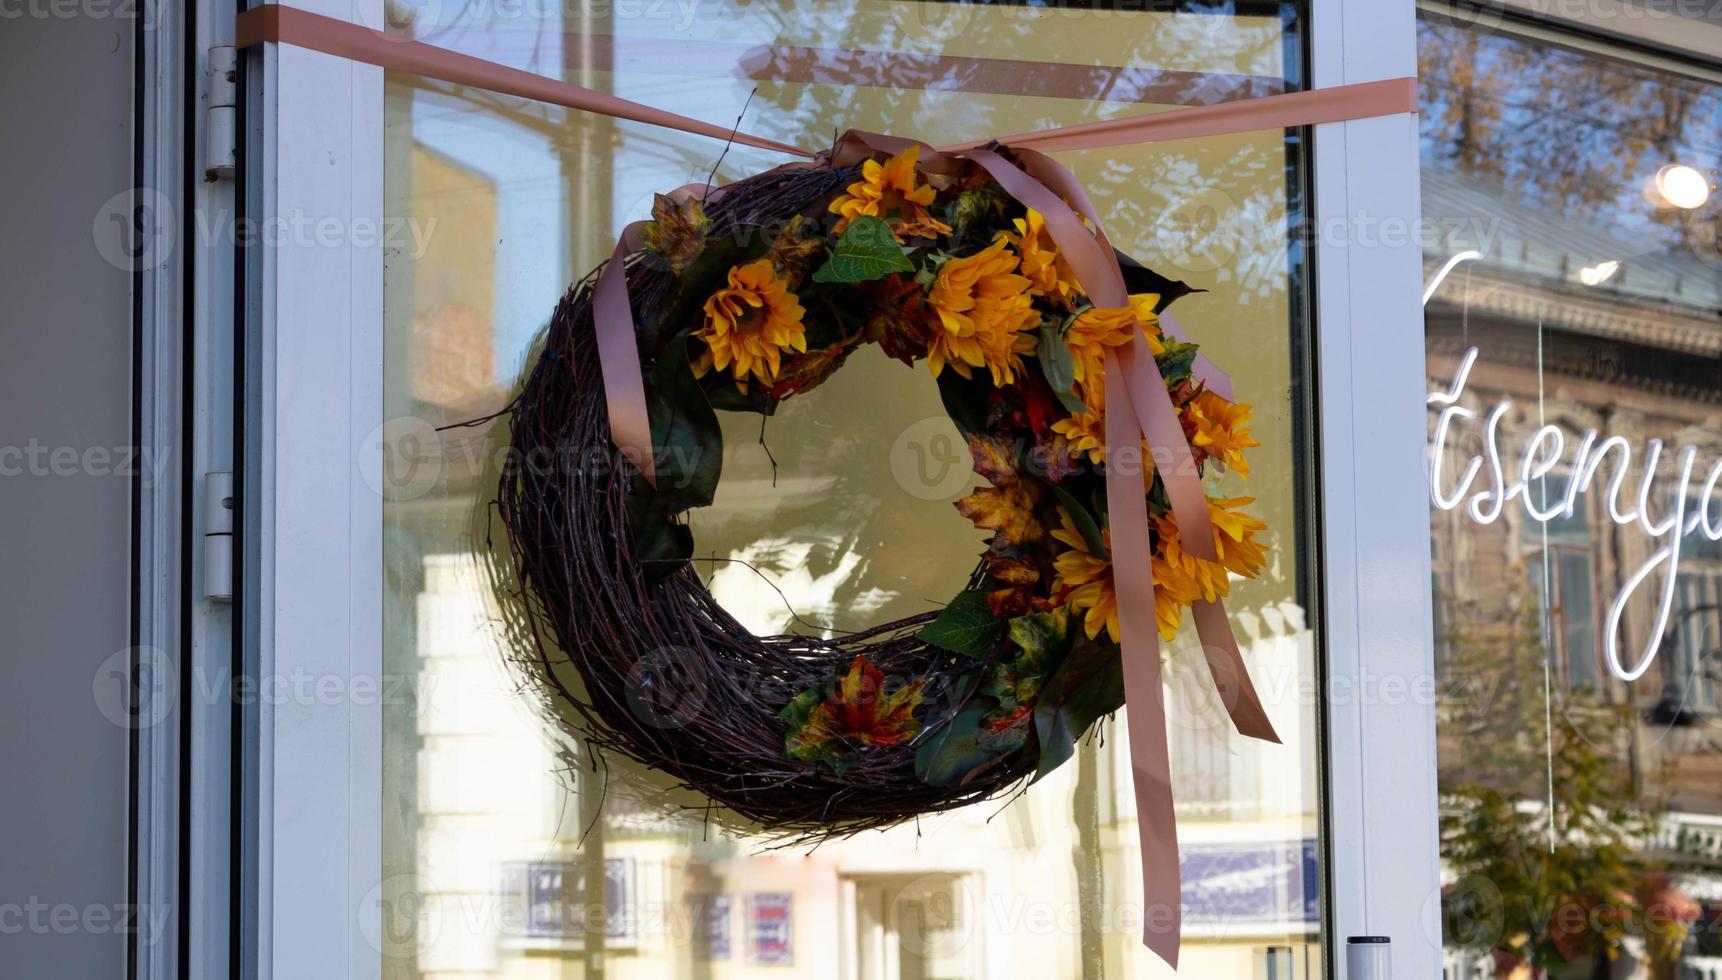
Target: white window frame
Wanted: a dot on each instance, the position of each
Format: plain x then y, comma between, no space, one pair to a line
312,602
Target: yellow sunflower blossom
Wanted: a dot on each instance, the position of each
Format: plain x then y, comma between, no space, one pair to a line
986,315
1235,545
1083,580
1098,329
749,324
1042,262
1175,590
1086,432
1221,429
890,191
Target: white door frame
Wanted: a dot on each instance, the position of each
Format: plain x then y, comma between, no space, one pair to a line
312,583
1383,846
313,601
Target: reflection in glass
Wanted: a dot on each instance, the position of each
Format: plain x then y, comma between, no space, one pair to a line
506,853
1581,813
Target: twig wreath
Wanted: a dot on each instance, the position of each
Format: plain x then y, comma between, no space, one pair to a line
747,297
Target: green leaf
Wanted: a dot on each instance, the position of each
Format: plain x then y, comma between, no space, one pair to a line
1176,361
954,753
1060,370
706,274
966,626
1085,523
1087,686
724,396
661,545
866,251
1040,636
966,400
686,439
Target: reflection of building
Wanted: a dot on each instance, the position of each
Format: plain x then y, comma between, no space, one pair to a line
1579,327
990,891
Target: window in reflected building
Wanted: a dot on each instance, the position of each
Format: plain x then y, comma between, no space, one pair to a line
1574,339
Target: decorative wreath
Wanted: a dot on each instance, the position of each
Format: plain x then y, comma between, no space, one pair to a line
757,294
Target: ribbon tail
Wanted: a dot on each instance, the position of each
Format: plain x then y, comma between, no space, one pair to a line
619,362
1173,460
1144,695
1231,677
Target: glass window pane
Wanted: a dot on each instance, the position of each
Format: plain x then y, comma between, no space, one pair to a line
498,833
1569,193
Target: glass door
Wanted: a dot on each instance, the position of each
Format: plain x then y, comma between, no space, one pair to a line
481,836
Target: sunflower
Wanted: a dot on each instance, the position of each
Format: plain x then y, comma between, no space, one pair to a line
1083,580
1188,578
749,324
1098,329
1086,432
1175,590
1042,262
890,191
1221,430
986,314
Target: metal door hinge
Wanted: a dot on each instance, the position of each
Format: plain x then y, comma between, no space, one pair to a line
220,132
218,536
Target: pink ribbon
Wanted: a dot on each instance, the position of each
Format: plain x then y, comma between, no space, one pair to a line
1138,404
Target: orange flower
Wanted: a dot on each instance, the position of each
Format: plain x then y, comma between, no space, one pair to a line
1188,578
986,314
752,322
1098,329
1083,580
890,191
1221,430
1086,432
1042,262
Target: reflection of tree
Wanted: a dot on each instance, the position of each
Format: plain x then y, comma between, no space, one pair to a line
1540,823
1567,130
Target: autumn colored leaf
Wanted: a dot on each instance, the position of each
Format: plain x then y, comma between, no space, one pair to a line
1007,507
1017,583
898,318
1006,511
1006,731
805,371
864,710
993,458
1054,458
677,232
793,250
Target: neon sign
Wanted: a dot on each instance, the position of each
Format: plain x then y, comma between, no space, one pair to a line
1509,480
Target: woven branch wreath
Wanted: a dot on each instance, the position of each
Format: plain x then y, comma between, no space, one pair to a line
756,294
